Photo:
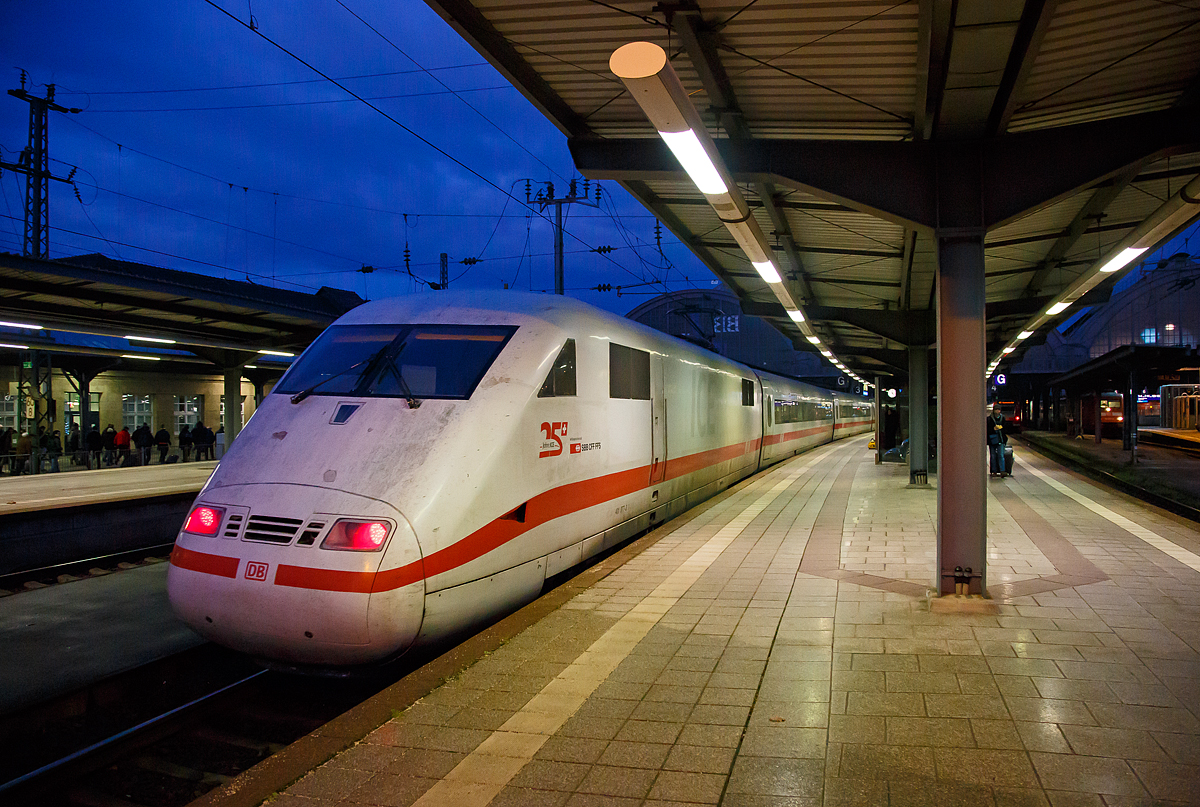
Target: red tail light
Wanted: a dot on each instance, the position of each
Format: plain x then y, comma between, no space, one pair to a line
204,520
357,536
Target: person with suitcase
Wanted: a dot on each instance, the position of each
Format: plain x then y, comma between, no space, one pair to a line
997,441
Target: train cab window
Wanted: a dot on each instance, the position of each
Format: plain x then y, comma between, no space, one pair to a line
628,372
561,380
747,392
395,361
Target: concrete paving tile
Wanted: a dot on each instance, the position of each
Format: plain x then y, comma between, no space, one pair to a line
720,715
1045,710
1182,748
571,749
1046,737
1170,780
927,682
775,777
885,703
884,663
1033,667
711,736
1125,716
986,766
720,696
796,714
597,728
981,706
369,757
649,731
634,755
1020,686
926,792
386,789
1064,798
332,782
660,711
1000,734
859,680
886,762
604,780
954,664
512,796
1086,774
700,759
1069,689
1126,744
843,792
783,741
689,787
1095,671
1050,651
929,732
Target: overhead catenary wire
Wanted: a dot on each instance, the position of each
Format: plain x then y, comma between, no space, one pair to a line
258,32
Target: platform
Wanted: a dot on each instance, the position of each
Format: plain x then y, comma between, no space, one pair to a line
22,494
777,645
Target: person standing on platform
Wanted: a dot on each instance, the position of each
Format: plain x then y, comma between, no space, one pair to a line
996,438
185,442
142,440
109,441
54,448
162,439
121,444
94,443
24,453
6,449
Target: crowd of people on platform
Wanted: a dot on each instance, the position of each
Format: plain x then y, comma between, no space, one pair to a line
103,449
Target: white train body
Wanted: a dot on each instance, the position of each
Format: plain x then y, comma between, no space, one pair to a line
480,497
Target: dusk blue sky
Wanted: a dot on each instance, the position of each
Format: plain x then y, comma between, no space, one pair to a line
296,183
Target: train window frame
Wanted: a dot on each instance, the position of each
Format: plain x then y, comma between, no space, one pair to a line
387,343
747,392
628,373
562,376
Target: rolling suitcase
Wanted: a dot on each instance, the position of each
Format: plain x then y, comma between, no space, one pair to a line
1008,459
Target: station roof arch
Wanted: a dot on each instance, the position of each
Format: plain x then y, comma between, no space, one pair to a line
1077,121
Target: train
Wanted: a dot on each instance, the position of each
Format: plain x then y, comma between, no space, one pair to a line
429,461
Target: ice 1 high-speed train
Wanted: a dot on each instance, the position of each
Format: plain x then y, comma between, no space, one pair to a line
429,460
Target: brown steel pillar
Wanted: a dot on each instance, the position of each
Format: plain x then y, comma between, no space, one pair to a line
962,445
233,404
1097,409
878,424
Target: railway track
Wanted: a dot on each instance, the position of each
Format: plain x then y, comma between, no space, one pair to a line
60,573
166,734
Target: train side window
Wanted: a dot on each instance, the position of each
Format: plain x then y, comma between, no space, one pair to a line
628,372
561,380
747,392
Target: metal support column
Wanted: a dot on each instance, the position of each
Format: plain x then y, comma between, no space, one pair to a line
558,249
918,415
962,457
878,424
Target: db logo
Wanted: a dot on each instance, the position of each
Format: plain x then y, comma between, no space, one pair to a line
552,445
256,570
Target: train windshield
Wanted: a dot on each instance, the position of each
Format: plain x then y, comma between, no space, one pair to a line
401,361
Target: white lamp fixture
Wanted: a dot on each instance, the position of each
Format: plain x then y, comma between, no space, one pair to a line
23,325
132,338
14,347
1057,308
1024,334
285,354
816,340
647,74
1122,259
143,358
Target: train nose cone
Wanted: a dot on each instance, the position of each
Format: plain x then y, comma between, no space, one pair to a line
268,583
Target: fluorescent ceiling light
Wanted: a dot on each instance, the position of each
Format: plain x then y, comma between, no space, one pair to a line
796,315
251,366
1025,334
22,325
144,358
695,160
816,340
826,353
14,347
1058,308
276,353
1008,350
132,338
767,270
1123,259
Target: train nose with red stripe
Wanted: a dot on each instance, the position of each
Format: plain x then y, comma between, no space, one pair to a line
430,460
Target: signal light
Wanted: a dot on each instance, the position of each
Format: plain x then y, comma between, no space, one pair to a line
204,520
357,536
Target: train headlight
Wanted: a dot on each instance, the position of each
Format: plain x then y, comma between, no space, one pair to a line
204,520
357,536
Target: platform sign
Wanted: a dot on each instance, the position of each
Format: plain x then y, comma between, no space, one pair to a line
1001,379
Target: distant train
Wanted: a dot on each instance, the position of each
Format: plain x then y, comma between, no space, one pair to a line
430,460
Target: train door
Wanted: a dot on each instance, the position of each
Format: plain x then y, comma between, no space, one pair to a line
658,419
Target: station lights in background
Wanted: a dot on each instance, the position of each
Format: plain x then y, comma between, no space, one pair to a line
22,325
646,72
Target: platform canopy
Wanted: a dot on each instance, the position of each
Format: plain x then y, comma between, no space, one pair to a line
223,321
857,132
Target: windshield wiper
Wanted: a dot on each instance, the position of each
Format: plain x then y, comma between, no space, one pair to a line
412,401
304,393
